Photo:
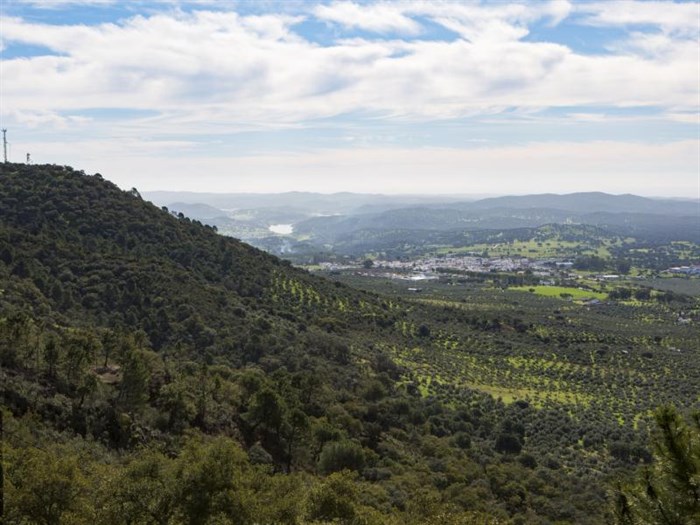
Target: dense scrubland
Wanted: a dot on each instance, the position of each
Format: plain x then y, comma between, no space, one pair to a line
154,371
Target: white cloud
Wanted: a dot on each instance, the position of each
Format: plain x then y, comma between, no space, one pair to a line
223,69
681,17
687,117
491,22
379,18
208,73
473,21
60,4
33,119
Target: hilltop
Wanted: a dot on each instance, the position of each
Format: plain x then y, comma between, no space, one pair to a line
590,202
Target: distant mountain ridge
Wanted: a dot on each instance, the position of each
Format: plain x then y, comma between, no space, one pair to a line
649,225
360,203
196,210
344,218
334,203
590,202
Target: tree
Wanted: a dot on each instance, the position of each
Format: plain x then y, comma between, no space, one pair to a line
178,406
210,484
334,499
87,386
340,455
508,444
622,266
51,356
423,331
44,487
110,344
642,294
621,293
668,492
297,426
590,262
15,338
266,409
80,351
202,396
133,389
143,493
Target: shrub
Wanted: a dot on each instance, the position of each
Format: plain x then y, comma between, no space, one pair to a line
340,455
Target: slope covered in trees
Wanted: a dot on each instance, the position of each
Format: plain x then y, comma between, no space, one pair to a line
156,372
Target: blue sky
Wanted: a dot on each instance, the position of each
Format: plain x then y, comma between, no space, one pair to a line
373,96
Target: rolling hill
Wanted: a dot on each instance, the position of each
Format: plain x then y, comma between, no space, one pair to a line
154,371
590,202
622,215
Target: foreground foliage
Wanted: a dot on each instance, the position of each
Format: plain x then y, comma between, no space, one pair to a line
667,492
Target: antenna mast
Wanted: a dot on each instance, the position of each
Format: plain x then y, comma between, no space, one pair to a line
4,144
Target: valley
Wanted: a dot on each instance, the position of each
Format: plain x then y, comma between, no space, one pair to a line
350,262
142,349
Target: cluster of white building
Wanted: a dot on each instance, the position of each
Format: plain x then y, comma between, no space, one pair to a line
685,270
427,268
466,264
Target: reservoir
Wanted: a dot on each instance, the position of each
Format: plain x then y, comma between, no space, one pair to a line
282,229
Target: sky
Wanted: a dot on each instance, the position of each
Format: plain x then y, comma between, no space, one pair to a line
435,97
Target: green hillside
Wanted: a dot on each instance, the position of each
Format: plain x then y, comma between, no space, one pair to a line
153,371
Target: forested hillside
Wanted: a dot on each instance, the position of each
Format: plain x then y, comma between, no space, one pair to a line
153,371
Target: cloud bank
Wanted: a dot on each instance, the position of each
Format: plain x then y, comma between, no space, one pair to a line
175,70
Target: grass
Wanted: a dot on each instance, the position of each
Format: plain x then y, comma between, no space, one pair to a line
557,291
535,248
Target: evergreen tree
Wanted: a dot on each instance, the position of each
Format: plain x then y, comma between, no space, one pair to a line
668,492
133,390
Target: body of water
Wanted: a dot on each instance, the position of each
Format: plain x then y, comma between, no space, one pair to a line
282,229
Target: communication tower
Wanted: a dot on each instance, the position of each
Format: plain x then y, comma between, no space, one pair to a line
4,144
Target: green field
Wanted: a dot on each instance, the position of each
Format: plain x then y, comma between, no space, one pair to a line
560,291
541,248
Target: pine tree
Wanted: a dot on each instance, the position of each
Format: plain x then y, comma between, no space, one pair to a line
133,390
667,492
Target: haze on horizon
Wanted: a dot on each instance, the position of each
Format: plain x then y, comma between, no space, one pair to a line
392,97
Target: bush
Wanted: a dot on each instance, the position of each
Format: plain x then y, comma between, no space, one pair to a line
334,499
340,455
508,444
